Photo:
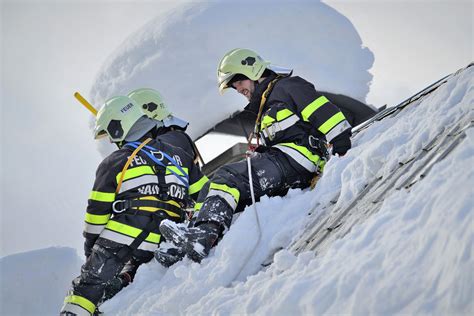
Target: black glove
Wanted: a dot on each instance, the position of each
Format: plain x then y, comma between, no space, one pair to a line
341,143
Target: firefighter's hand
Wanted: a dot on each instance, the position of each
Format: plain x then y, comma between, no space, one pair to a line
341,144
261,149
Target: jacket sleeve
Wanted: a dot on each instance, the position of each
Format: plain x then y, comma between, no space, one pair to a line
99,207
315,108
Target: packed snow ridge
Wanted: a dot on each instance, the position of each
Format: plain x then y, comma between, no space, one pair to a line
413,256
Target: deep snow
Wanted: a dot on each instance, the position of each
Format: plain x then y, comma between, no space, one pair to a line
414,256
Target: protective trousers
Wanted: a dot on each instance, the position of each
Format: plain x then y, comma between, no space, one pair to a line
100,267
229,192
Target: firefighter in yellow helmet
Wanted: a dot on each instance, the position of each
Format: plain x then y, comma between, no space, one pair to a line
293,124
143,182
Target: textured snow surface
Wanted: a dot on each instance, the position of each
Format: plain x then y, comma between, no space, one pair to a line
414,256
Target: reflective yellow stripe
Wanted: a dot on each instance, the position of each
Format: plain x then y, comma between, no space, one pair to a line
154,209
197,186
333,121
234,192
197,206
97,219
169,170
102,196
135,172
267,120
280,116
154,198
313,106
304,151
131,231
283,114
81,301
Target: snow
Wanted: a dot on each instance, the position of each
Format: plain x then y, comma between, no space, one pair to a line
414,256
178,54
34,282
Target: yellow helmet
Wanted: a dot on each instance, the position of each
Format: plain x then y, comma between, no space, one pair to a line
240,61
151,102
116,118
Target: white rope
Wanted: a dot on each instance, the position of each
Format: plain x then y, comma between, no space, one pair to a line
259,230
249,167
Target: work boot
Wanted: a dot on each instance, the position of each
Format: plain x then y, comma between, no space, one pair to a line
168,254
196,242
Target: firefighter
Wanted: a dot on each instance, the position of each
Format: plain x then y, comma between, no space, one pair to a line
143,182
294,122
172,130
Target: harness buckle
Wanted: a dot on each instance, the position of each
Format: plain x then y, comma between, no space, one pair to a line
160,155
120,206
319,145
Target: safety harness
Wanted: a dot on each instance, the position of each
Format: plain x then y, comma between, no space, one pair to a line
263,100
132,205
317,145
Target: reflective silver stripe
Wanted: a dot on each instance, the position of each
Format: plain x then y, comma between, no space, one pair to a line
226,196
280,126
93,229
136,182
126,240
75,309
298,157
338,129
114,236
171,178
148,246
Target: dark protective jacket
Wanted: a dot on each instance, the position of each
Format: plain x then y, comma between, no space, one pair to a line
178,138
294,116
144,179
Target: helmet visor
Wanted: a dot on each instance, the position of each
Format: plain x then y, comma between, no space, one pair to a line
100,134
224,78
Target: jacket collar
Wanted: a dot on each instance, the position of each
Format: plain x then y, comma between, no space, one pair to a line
254,103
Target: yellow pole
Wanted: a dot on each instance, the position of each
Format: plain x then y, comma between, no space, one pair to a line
84,102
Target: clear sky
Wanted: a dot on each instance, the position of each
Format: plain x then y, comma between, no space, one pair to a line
415,42
49,49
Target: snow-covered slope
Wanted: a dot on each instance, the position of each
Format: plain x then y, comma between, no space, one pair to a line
35,282
413,256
